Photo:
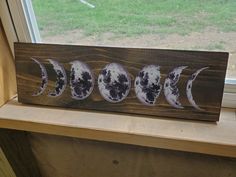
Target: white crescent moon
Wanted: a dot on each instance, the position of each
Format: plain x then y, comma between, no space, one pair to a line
171,91
189,88
61,79
44,78
81,80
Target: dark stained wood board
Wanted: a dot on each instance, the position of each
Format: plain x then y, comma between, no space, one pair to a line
207,88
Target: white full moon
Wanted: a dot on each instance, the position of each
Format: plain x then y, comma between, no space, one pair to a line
114,83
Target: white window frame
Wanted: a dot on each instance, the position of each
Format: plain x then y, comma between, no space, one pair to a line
19,19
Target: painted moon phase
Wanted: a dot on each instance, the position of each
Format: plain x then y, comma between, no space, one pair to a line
44,78
114,83
147,84
81,80
171,91
61,79
189,88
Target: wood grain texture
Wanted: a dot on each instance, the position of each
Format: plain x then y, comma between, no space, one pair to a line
207,89
183,135
16,147
63,156
7,70
5,167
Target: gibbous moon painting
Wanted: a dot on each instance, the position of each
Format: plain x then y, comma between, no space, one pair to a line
81,80
148,82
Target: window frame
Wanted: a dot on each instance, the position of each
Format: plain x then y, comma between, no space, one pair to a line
18,17
6,20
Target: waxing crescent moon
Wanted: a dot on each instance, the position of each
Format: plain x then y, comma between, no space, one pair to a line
61,79
81,80
147,85
171,91
44,78
189,88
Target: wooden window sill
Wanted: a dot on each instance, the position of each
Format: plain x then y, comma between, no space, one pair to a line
192,136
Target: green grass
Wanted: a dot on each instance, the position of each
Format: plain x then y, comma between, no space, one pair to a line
135,17
218,46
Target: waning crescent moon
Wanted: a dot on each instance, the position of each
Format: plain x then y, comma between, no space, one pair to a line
171,91
189,88
81,80
61,79
44,78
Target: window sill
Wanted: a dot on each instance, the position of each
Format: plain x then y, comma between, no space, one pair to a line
191,136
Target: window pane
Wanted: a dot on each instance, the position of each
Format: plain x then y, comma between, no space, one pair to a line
174,24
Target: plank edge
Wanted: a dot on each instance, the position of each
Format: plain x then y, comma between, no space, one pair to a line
226,150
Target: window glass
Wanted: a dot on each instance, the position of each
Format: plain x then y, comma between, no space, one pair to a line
175,24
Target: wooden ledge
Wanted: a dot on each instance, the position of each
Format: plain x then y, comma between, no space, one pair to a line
192,136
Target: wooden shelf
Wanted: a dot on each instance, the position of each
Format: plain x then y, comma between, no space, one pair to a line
192,136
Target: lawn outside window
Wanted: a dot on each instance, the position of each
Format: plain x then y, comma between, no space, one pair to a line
190,25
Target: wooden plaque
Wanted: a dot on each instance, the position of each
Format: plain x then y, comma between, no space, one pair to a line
170,83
